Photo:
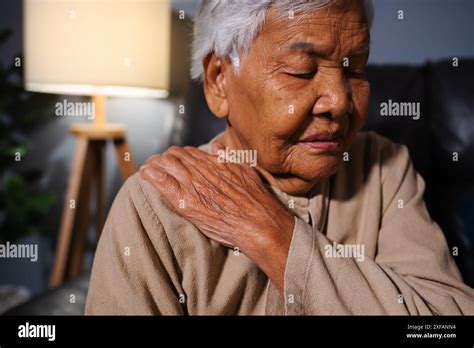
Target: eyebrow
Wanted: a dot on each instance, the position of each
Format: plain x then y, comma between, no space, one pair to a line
313,50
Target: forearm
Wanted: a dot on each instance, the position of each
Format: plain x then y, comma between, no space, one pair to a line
270,250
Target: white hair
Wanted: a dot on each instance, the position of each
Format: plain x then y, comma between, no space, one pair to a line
228,27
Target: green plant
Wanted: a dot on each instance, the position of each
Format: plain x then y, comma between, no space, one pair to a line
23,206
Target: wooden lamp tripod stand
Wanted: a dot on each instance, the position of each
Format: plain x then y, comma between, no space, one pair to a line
87,171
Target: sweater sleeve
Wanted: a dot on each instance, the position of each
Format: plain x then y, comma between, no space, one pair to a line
133,273
412,273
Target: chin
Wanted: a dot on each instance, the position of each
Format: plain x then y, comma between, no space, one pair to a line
321,167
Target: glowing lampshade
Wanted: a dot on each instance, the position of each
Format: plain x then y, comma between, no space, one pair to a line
97,47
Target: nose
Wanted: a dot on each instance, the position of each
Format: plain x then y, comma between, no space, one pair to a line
333,96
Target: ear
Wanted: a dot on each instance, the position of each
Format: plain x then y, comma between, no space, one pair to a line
215,85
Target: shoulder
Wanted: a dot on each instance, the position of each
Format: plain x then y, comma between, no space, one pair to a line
140,200
139,193
376,166
141,207
373,152
377,174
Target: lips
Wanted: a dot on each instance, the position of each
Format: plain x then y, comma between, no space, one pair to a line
322,136
322,140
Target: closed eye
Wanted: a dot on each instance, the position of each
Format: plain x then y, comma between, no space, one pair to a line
358,74
305,76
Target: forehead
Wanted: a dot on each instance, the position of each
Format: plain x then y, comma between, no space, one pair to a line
338,27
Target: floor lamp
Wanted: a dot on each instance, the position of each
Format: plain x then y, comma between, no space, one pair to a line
96,48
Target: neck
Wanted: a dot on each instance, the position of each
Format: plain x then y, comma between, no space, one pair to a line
289,184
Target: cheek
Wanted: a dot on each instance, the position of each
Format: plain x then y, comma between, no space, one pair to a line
260,117
285,110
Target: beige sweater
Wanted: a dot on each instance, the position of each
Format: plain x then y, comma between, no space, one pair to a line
149,260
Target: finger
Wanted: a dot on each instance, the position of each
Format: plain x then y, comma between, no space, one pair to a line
207,167
196,161
198,168
174,166
194,179
205,174
200,154
191,157
216,173
150,160
168,186
184,153
157,160
201,163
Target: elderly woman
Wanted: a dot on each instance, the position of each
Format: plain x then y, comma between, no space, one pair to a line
326,220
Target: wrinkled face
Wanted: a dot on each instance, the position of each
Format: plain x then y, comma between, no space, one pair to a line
301,94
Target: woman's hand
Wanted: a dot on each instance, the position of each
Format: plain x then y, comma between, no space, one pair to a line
227,202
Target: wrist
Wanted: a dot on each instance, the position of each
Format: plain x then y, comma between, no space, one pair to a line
271,247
